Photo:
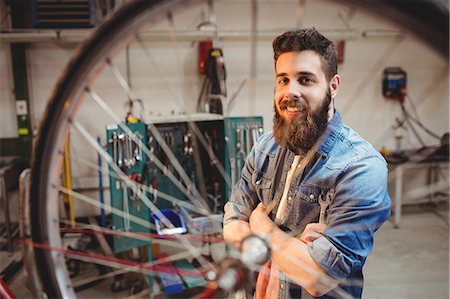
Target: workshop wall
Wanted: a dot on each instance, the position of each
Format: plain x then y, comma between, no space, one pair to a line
8,127
360,100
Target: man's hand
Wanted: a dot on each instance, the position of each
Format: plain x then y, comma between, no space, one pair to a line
235,231
260,223
312,231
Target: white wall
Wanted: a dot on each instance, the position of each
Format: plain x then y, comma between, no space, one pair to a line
360,100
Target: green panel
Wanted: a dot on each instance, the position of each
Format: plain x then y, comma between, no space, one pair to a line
241,133
124,198
20,78
21,18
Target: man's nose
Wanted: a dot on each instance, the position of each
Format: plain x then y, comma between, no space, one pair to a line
294,91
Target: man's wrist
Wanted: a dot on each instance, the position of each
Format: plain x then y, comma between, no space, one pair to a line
275,237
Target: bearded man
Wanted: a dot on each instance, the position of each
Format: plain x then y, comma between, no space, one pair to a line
313,188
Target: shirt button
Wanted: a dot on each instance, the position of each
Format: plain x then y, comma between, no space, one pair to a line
290,198
258,182
311,196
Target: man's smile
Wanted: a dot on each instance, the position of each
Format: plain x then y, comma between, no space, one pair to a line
291,109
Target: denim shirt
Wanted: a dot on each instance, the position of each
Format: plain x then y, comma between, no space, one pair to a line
348,170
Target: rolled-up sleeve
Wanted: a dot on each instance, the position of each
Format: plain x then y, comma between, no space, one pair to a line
360,205
331,258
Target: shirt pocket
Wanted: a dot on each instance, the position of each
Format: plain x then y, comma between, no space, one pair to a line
262,185
306,208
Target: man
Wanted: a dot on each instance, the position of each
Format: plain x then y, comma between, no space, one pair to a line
312,168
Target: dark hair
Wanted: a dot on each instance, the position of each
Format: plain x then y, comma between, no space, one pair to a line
308,39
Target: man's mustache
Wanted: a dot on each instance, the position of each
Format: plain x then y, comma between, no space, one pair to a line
301,105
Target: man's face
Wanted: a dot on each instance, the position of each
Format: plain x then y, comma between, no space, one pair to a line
302,100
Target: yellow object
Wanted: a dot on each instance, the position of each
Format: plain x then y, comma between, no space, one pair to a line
215,53
132,119
67,181
23,131
385,151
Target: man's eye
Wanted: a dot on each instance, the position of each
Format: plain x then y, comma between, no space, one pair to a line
305,80
283,81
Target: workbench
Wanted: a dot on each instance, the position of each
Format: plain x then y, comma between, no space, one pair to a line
434,161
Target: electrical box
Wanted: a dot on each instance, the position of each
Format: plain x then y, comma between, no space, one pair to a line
394,83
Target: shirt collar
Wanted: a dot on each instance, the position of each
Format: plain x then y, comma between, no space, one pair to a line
332,132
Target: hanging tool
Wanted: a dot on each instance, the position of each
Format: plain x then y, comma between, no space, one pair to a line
128,152
126,208
240,146
137,150
115,147
120,157
238,150
248,138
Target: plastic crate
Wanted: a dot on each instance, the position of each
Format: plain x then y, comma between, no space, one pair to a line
198,224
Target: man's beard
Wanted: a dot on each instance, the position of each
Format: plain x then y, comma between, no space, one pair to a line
301,133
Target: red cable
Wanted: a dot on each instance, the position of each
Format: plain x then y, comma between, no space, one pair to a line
5,292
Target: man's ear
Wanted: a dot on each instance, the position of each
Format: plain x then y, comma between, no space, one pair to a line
335,83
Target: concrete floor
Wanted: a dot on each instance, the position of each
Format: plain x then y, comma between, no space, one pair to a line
411,261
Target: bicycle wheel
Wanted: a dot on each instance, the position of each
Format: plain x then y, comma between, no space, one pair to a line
68,113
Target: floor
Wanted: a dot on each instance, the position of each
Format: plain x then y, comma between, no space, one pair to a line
411,261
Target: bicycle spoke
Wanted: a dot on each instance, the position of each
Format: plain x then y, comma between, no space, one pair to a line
122,81
158,71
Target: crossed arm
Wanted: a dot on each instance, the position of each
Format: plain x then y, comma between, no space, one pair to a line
290,253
